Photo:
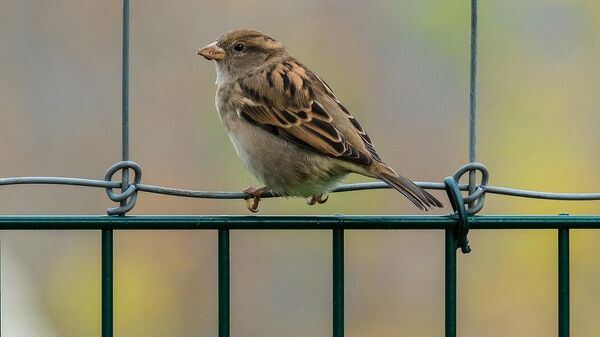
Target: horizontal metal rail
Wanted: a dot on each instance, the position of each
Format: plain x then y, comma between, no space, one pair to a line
352,222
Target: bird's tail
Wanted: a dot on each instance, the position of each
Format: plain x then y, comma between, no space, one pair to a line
421,198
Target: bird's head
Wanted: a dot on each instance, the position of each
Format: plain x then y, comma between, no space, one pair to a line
239,51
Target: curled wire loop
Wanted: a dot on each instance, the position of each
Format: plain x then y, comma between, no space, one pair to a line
474,200
460,203
129,190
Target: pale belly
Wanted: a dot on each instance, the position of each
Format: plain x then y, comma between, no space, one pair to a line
285,167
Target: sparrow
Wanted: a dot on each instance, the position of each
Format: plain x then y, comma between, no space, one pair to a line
288,127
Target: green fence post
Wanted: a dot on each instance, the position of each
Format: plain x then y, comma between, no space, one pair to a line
563,282
338,282
0,285
224,283
107,283
450,284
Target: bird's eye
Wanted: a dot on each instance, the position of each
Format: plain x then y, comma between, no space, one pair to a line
239,47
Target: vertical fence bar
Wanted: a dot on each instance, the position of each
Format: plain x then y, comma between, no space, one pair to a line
125,84
107,283
107,234
0,284
224,283
450,259
125,97
338,282
450,284
563,283
473,96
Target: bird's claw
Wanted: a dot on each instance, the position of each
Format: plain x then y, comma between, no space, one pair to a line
252,204
317,199
254,194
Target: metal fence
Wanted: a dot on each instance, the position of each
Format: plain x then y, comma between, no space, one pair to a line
456,225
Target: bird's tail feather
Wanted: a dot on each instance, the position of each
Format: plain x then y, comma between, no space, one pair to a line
421,198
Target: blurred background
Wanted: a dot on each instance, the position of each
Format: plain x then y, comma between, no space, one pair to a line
401,66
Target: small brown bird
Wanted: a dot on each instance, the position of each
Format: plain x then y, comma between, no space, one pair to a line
288,127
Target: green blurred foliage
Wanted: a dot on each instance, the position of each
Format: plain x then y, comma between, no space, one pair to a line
400,66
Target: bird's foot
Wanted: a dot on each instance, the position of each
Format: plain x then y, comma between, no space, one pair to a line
317,199
254,194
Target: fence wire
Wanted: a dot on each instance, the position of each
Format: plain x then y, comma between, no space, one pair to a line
190,193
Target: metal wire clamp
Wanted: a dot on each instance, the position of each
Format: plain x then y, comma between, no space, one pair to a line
466,206
129,190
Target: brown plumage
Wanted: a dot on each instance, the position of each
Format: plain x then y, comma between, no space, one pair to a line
288,126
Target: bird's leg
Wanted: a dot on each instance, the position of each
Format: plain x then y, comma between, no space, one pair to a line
317,199
254,194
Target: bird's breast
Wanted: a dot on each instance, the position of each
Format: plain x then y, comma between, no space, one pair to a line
285,167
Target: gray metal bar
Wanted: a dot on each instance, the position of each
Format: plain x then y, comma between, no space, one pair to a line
125,84
473,97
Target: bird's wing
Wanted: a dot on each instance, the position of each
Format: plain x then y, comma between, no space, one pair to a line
287,99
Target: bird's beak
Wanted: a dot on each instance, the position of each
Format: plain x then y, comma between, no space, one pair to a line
212,52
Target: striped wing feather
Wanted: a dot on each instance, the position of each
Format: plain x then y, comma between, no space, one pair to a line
290,101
